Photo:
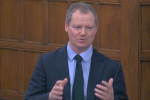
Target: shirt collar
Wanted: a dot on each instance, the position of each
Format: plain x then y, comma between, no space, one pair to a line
86,55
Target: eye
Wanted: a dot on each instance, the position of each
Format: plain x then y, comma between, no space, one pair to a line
77,27
89,28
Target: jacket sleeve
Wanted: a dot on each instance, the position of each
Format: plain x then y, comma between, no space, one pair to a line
119,85
37,88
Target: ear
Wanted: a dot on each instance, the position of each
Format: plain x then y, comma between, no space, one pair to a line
96,29
66,27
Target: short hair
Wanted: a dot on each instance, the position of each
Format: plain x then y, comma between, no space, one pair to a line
83,7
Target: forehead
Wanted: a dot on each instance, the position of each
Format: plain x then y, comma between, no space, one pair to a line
78,16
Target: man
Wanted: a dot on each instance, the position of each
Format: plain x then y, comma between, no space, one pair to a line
57,75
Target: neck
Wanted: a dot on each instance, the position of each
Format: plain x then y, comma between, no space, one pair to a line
78,50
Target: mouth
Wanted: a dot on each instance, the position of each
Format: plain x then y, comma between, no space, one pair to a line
81,40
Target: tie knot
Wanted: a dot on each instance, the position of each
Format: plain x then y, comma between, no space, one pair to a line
78,58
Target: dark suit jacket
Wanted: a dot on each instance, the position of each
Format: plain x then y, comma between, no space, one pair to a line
53,66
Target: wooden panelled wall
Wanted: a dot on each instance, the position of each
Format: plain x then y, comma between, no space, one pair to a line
29,28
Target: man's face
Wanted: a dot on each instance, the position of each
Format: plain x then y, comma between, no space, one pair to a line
81,31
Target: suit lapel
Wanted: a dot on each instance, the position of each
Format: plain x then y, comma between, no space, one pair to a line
63,71
96,72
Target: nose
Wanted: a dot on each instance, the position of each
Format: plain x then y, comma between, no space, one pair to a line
83,32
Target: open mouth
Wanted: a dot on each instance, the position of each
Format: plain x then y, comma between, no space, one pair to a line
81,40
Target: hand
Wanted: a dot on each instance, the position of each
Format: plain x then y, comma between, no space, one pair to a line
57,91
105,92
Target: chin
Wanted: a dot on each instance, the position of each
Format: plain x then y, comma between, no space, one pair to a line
83,47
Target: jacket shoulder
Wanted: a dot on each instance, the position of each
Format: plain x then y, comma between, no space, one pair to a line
52,54
106,60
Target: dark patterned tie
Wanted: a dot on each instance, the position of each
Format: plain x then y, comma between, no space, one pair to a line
78,86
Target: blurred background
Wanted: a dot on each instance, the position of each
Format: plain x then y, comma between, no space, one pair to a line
29,28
